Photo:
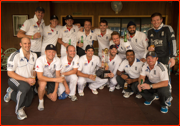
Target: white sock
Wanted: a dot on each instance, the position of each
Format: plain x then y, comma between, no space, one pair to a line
41,105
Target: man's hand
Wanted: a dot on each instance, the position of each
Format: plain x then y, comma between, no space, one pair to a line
59,79
92,77
129,81
80,44
65,44
139,87
31,81
67,90
36,35
127,36
111,75
171,62
150,48
143,60
145,86
123,76
52,96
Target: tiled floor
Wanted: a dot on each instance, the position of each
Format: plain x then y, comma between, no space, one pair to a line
106,108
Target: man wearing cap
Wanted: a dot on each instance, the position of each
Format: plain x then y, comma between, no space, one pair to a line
32,28
129,72
103,35
120,45
86,71
85,38
138,41
48,69
68,35
156,82
20,64
50,33
70,64
114,62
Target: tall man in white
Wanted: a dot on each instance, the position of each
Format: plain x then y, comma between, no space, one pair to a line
70,64
48,73
86,71
156,82
68,33
19,67
103,35
87,36
138,40
32,28
50,33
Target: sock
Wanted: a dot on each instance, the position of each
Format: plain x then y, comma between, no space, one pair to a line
41,105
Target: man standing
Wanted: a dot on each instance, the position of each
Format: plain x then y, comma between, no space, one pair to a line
103,35
20,64
85,38
68,35
138,41
70,64
132,67
48,73
120,45
50,33
32,29
157,82
86,71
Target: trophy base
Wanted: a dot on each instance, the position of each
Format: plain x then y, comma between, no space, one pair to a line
105,74
101,73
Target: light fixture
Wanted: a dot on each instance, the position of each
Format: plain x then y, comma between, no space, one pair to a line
116,6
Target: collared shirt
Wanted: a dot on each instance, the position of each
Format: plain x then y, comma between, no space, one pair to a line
114,64
139,43
50,36
18,63
103,41
69,66
159,27
157,74
31,27
87,39
89,67
48,69
134,70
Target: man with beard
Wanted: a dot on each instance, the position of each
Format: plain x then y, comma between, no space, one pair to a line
138,41
86,72
69,65
68,35
129,72
103,35
48,73
87,37
32,28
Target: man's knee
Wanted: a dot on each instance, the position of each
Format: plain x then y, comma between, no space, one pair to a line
73,77
81,81
42,84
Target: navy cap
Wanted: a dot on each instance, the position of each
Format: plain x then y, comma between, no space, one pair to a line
69,17
151,53
112,46
131,23
53,17
40,9
89,47
50,47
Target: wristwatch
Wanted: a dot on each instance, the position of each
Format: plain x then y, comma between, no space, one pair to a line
151,86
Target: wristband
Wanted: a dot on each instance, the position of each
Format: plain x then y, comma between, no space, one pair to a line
32,37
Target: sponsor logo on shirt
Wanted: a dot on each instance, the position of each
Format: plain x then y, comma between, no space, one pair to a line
35,26
49,33
67,66
127,47
99,35
9,65
85,64
78,64
46,65
126,66
147,70
157,42
65,31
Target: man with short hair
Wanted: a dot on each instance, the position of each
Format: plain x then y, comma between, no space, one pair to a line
32,28
138,41
68,34
48,69
87,66
50,33
129,72
121,46
156,82
103,35
70,64
87,37
20,65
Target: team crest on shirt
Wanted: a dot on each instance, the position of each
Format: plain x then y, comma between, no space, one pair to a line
49,33
106,37
129,40
21,60
65,31
113,63
162,33
136,40
74,30
35,26
54,66
136,68
85,64
154,72
172,36
151,35
56,32
121,47
92,64
42,26
33,59
90,37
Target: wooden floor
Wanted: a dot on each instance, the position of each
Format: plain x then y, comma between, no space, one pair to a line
106,108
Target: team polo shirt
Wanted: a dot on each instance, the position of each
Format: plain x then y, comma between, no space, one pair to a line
48,69
122,48
139,43
31,26
157,74
89,67
114,64
103,40
67,34
50,36
18,63
87,39
134,70
65,66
